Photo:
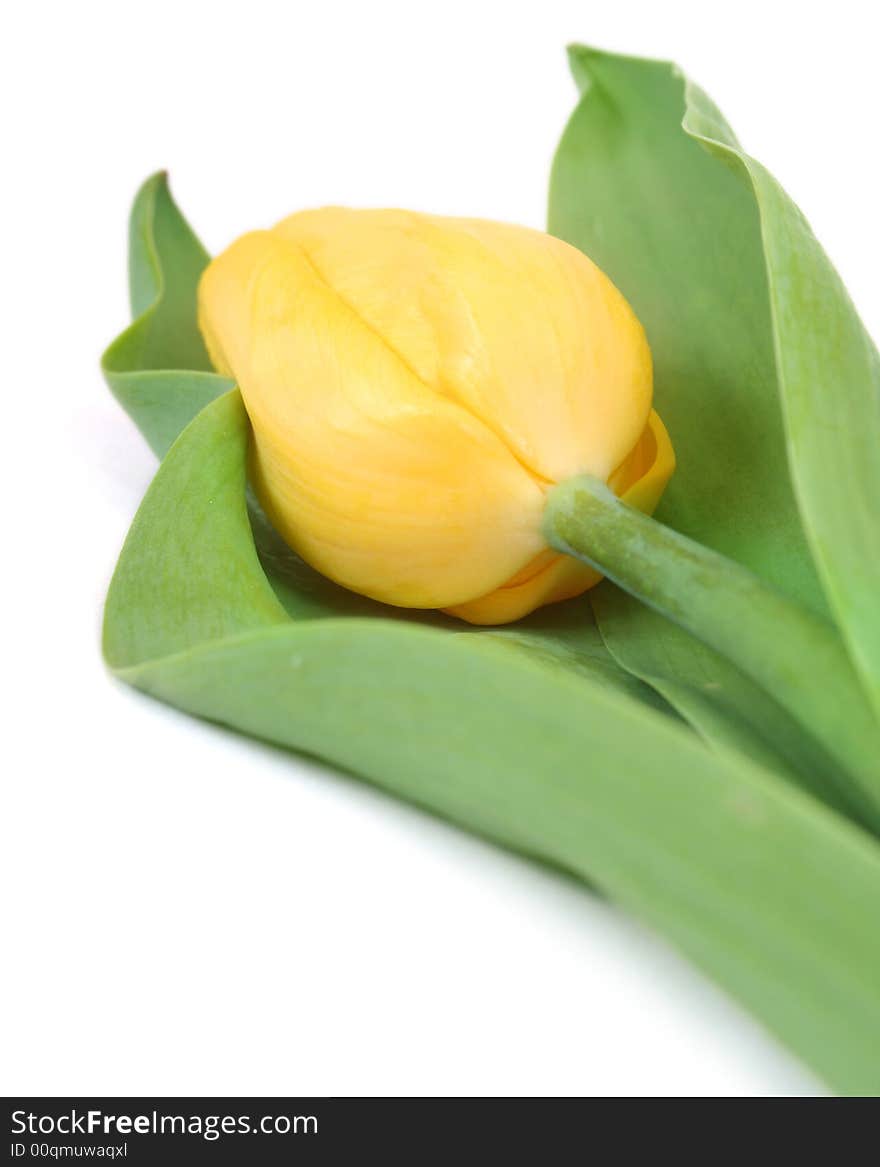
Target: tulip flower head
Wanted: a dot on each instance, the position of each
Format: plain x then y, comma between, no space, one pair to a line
416,385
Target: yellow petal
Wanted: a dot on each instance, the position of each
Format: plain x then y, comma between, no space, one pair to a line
520,328
375,480
640,481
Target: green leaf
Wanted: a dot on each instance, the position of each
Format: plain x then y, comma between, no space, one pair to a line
829,380
767,889
218,592
158,368
680,234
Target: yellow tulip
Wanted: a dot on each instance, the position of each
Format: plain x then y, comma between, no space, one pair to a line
417,384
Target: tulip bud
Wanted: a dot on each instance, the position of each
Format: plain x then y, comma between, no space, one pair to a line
416,385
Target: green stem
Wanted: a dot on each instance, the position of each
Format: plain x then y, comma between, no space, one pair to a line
795,656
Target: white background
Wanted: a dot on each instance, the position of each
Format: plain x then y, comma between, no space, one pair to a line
188,912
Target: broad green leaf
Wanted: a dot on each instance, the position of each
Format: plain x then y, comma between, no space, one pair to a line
725,707
216,593
158,368
770,891
680,237
680,234
829,381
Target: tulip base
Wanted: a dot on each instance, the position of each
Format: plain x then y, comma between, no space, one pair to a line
794,655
